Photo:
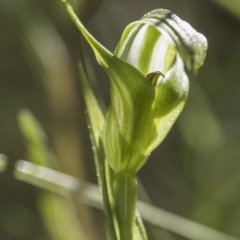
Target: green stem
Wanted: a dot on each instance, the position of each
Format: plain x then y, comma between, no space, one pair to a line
125,204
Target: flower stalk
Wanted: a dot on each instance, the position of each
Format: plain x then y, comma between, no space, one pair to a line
126,189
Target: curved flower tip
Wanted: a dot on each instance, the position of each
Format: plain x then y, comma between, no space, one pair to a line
191,45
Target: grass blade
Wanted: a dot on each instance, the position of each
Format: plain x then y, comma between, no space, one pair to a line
89,194
57,211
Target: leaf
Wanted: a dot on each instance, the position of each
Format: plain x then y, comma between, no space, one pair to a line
57,211
36,140
97,121
94,112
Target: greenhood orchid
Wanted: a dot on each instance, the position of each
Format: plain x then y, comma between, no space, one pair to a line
143,108
157,45
149,88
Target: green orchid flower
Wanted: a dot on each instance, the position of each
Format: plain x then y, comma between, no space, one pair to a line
144,108
141,116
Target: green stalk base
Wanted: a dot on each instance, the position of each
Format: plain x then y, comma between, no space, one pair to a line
125,204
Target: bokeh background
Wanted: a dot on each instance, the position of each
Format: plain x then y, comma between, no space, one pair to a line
195,173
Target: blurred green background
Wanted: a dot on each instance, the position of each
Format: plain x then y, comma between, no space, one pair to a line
195,173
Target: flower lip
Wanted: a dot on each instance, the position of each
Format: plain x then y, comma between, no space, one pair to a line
153,77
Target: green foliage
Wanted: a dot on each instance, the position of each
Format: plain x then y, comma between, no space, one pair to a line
57,211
